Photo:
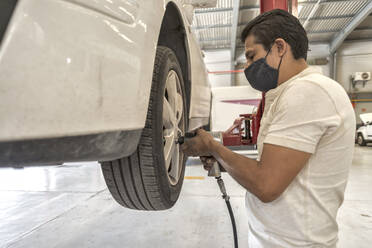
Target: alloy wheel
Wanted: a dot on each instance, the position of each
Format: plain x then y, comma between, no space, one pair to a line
173,126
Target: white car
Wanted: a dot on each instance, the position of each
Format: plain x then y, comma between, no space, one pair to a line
364,133
116,81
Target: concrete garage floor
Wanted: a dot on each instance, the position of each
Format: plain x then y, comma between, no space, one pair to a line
69,206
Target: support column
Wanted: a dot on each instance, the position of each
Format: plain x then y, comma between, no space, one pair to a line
331,65
267,5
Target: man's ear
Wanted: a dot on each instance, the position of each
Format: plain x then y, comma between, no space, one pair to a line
281,46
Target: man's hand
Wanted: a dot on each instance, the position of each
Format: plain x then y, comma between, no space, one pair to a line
200,145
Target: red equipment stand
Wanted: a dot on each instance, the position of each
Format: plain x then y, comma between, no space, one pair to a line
242,135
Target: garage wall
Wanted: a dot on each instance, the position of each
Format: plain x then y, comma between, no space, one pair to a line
227,105
324,68
355,57
219,60
240,79
317,51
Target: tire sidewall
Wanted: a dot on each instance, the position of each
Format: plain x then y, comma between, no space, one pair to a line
360,140
169,192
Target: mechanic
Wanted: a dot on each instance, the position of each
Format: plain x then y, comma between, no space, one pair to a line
305,143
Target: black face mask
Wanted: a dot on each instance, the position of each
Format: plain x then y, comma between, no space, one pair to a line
261,76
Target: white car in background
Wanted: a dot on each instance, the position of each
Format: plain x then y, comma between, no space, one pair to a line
364,133
110,80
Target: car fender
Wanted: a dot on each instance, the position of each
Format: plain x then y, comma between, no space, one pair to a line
201,92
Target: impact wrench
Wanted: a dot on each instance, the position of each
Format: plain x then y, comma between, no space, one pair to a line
215,172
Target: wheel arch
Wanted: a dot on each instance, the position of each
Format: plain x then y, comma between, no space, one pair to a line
174,36
361,132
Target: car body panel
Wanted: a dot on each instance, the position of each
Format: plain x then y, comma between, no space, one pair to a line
200,91
79,67
366,118
123,10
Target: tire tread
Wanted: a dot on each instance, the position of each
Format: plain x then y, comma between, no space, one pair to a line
132,180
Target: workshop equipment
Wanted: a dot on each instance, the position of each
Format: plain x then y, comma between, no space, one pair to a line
243,132
215,172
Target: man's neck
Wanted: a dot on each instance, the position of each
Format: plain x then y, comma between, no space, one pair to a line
291,69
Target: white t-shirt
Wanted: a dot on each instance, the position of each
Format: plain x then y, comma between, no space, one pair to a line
310,113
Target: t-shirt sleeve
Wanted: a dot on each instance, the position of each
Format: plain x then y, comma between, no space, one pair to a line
302,115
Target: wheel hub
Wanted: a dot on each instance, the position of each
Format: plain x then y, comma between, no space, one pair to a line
173,126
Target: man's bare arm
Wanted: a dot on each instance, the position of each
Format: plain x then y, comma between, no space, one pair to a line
268,178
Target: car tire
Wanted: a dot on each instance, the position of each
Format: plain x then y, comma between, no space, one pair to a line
360,140
151,178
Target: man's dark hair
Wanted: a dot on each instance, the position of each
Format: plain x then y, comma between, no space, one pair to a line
277,23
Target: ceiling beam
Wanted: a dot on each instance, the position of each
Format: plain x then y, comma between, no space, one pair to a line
312,13
214,10
215,39
363,29
324,31
214,49
309,32
250,7
341,36
327,1
234,30
245,23
227,39
212,26
315,18
369,39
